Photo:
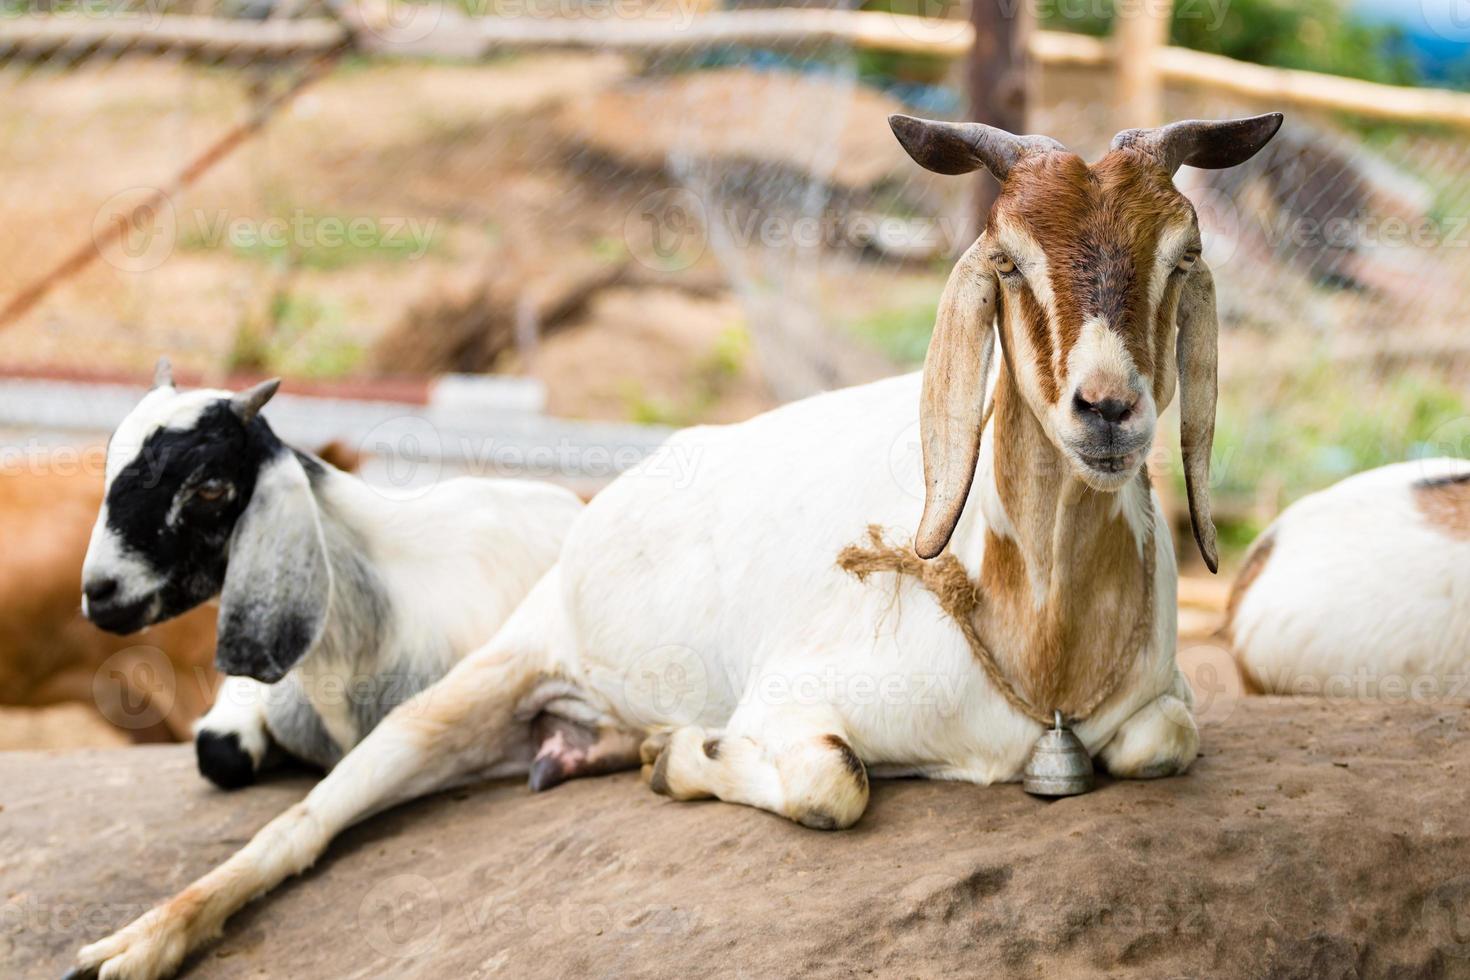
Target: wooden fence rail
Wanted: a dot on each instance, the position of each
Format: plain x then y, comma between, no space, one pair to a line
34,36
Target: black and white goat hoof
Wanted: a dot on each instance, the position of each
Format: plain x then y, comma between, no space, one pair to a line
223,760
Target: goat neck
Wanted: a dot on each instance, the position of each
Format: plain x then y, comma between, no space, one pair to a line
1060,564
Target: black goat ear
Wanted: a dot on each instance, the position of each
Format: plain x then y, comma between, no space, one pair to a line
278,584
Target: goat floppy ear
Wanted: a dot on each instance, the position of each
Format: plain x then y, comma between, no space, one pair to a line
1209,144
959,148
1197,354
278,585
952,407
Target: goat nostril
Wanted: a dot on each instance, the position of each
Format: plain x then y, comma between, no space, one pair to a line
100,589
1111,410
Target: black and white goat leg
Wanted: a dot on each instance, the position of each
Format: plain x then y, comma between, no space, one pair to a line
464,728
232,742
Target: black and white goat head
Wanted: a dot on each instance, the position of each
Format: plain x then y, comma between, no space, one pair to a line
203,500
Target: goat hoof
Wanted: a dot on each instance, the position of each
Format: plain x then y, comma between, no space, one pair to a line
78,973
658,777
222,761
547,772
652,747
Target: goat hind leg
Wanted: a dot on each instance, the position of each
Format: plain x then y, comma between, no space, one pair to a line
797,763
459,729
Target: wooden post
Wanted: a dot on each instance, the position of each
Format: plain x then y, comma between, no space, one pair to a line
997,79
1140,31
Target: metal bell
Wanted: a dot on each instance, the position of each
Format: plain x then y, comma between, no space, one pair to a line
1059,765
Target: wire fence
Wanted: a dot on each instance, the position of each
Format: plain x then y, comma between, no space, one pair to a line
659,230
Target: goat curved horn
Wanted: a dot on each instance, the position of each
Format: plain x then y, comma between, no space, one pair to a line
952,405
958,148
1207,143
248,403
1197,355
163,374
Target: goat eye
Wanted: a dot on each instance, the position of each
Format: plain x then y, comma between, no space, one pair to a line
1004,265
1187,261
211,491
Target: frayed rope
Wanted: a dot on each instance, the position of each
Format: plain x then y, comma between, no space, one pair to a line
950,584
958,596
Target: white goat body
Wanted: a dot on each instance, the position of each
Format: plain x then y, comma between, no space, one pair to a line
739,592
1363,589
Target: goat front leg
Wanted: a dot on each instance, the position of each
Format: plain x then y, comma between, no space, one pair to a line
460,729
794,761
1159,739
232,742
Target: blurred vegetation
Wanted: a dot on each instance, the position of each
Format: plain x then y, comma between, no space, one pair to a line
711,377
1313,35
301,336
1326,421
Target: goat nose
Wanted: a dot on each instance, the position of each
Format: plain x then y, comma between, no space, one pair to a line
1112,410
100,589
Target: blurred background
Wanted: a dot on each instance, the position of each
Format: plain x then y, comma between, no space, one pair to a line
526,237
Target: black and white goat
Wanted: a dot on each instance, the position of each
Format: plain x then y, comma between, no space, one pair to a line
336,602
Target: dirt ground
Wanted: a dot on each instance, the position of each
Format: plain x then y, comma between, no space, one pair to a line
1310,841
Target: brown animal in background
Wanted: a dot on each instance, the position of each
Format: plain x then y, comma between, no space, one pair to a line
152,684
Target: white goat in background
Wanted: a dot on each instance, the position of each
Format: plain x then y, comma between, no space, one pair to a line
713,618
1362,590
336,603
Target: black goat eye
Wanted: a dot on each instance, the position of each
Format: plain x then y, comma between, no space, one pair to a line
211,491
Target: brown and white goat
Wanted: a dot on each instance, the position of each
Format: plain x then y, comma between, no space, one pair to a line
706,613
1362,591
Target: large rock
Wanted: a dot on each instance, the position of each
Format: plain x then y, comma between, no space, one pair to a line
1311,840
